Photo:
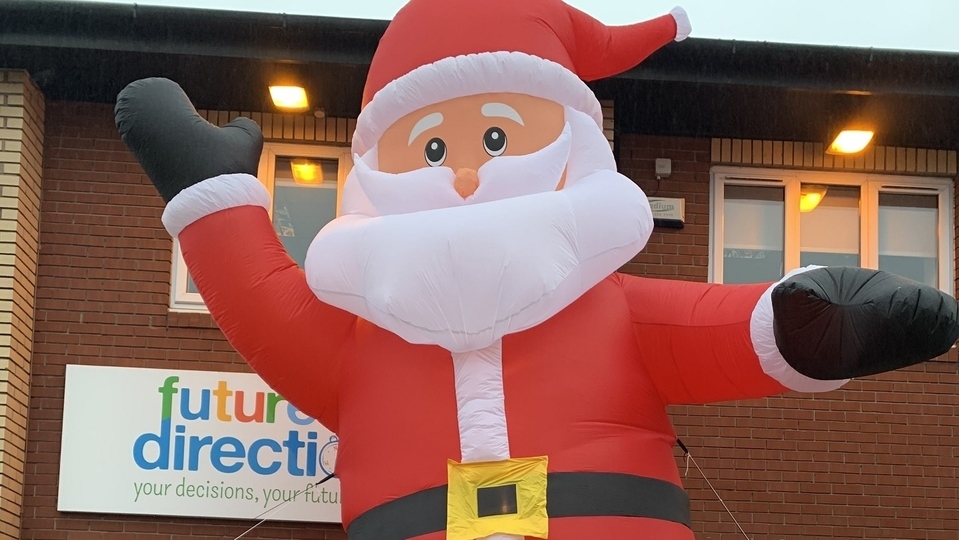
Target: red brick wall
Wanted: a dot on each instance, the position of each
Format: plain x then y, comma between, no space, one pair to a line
102,295
672,253
875,460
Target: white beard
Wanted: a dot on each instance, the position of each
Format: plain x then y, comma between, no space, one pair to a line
413,257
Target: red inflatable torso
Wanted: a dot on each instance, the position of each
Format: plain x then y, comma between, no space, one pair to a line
398,424
587,388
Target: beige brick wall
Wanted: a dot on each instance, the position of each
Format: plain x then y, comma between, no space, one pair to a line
808,155
21,148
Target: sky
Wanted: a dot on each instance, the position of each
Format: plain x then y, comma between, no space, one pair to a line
928,25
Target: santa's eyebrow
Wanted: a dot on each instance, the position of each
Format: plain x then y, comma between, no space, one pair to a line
429,121
501,110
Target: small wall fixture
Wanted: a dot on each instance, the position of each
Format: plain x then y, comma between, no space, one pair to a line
306,172
850,141
289,98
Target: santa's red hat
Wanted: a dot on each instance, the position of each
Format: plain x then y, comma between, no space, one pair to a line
435,50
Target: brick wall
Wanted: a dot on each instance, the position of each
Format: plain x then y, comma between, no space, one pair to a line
672,253
876,459
102,295
21,148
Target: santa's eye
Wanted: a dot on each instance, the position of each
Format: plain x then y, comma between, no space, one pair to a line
435,152
494,141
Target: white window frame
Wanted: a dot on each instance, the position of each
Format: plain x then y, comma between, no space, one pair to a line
870,186
181,300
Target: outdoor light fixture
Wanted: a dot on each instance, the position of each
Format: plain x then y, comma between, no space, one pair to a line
289,98
810,196
850,141
306,172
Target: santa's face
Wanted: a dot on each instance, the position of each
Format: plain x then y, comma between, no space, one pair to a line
464,134
466,151
478,217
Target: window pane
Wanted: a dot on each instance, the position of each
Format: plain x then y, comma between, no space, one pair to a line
301,207
909,236
829,229
753,219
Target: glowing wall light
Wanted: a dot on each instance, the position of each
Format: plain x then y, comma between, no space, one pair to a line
810,196
850,141
306,171
290,98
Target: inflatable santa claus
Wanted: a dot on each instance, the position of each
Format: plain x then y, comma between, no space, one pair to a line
461,325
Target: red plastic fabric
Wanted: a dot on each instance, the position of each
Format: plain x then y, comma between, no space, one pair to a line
588,387
548,29
695,339
260,300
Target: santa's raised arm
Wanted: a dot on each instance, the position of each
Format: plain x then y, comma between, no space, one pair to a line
464,317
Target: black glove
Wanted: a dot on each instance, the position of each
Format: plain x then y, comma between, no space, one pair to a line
176,146
837,323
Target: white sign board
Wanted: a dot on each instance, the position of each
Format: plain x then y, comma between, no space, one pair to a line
191,443
664,208
668,212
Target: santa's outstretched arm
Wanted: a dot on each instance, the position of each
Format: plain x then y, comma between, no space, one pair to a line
217,209
810,332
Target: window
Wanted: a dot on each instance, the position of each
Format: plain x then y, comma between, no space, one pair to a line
304,181
764,223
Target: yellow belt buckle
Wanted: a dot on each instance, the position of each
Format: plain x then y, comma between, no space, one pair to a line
490,497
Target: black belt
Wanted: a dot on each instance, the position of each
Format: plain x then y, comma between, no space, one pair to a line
577,494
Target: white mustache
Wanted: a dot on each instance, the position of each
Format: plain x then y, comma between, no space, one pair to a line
431,188
414,191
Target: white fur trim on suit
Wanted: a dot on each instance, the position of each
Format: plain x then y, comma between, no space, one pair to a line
683,27
480,407
468,75
772,361
212,195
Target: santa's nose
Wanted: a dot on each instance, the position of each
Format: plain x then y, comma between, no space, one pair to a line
466,182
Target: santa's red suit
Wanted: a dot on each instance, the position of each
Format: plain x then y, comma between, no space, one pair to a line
495,329
588,387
